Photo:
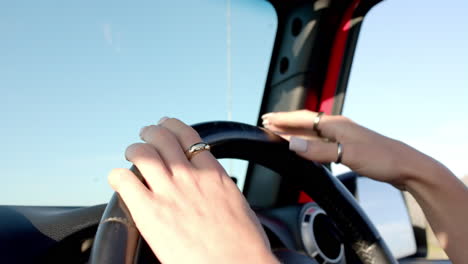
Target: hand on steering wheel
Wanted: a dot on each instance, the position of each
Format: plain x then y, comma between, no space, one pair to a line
364,151
190,211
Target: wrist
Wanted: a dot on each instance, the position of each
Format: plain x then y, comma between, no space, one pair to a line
421,171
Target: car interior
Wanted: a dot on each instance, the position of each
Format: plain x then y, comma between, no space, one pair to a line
317,219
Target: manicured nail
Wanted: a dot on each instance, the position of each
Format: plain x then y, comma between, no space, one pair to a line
164,118
265,123
298,144
265,116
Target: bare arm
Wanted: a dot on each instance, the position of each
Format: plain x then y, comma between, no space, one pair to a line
444,200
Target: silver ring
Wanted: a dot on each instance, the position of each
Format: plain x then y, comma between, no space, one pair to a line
196,148
317,119
340,153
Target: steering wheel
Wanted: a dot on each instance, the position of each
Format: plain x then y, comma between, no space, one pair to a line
117,237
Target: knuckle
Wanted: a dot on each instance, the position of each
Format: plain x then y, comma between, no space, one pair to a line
137,149
183,130
191,135
307,113
192,139
116,177
157,132
342,127
343,119
348,120
174,122
152,129
124,179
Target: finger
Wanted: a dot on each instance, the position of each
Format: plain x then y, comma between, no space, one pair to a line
168,146
288,133
295,123
301,123
302,119
133,192
317,150
149,163
187,136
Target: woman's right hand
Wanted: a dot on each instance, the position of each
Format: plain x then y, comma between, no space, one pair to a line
364,151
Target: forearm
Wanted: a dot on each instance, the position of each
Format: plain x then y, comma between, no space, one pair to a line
443,198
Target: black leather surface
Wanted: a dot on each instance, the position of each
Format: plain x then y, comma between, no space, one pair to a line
28,233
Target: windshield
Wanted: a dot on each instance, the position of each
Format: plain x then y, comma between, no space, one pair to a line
79,79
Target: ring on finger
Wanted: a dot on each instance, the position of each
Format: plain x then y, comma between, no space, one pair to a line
340,153
317,119
196,148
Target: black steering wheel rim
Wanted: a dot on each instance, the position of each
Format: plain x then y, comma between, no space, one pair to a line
117,236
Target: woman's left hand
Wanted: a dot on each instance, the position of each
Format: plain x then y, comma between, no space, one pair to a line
190,211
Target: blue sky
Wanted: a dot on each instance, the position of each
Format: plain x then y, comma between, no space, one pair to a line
78,80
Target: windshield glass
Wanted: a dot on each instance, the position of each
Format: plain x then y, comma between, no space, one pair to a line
79,79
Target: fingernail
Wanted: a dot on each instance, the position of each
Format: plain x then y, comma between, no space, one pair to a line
142,130
265,116
164,118
266,122
298,144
